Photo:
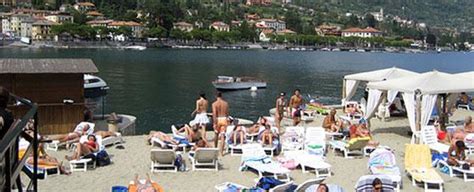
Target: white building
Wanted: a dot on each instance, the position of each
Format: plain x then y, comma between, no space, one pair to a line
364,33
12,24
275,24
220,26
60,18
26,27
378,16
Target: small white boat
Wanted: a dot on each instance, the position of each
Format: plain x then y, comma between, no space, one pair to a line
94,86
236,83
135,47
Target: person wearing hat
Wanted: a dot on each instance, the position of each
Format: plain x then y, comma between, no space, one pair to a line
280,109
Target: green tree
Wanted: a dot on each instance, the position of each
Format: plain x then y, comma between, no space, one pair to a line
293,21
370,20
155,32
431,39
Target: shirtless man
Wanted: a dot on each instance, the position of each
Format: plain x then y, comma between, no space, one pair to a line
220,114
201,118
83,128
295,103
280,109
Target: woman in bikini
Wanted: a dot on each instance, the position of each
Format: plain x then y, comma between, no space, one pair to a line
85,148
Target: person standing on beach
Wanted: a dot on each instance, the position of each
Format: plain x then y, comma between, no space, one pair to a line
201,119
220,114
296,102
280,109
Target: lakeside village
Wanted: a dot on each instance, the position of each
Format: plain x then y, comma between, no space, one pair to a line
254,24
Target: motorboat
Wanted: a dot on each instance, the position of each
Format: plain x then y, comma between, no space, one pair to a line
237,83
135,47
94,86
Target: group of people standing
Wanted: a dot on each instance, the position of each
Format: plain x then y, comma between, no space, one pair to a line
294,108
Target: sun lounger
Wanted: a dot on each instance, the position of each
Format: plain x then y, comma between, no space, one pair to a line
382,162
82,163
468,175
176,133
162,160
254,157
112,140
205,157
282,188
306,160
308,183
292,139
469,141
418,166
364,184
353,146
229,186
43,170
315,140
430,137
331,187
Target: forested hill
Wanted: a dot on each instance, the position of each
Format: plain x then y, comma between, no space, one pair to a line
441,13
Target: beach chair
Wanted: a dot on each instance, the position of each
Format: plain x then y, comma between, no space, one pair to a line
364,184
234,149
468,175
307,160
315,140
163,160
418,167
43,170
292,139
331,187
229,186
351,106
353,146
469,142
205,157
254,157
430,137
176,133
382,162
155,141
112,140
83,163
308,183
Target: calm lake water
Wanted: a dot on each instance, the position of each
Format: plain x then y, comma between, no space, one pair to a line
160,86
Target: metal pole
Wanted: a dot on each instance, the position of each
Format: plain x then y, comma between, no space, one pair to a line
35,153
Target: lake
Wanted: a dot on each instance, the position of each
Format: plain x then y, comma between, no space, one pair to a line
160,86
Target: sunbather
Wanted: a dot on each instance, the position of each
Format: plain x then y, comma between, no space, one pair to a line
377,185
360,131
201,143
83,128
86,148
148,186
238,134
192,132
47,160
322,188
330,123
162,136
267,135
458,135
456,154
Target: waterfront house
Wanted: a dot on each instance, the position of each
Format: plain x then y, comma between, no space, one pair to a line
137,28
12,24
183,26
99,22
252,17
60,18
220,26
364,33
378,16
26,27
57,85
328,30
41,29
84,6
275,24
265,35
235,23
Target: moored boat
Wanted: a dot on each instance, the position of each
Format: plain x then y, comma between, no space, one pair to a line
236,83
94,86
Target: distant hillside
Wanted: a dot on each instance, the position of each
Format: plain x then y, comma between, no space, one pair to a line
441,13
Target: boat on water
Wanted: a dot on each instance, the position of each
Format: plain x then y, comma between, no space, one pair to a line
237,83
135,47
94,86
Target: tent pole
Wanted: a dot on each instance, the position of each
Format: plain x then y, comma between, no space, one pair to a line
343,92
444,116
418,111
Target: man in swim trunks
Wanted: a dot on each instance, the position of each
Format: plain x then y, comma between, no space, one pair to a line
220,114
280,109
201,118
296,102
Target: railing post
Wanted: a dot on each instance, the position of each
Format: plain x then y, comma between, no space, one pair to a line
8,171
35,153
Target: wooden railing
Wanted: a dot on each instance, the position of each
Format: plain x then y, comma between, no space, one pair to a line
9,151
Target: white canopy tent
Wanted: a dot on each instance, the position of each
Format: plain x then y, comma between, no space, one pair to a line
424,87
352,81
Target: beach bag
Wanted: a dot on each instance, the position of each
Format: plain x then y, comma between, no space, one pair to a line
178,161
267,183
102,158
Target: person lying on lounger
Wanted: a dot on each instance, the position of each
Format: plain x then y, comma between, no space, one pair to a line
162,136
457,155
85,148
361,131
193,132
83,128
201,143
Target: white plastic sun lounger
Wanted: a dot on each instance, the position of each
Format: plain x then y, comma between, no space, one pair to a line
429,137
305,185
306,160
254,157
205,157
162,160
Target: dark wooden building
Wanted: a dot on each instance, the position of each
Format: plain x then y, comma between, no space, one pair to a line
57,85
